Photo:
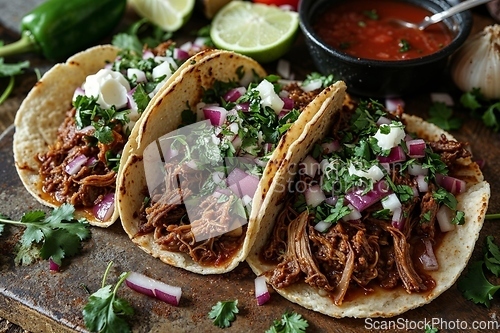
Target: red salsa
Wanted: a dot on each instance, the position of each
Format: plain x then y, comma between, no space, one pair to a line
363,28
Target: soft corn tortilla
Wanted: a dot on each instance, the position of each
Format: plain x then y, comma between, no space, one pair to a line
43,111
452,255
165,116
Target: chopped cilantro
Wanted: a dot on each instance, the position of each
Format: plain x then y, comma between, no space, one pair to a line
492,256
445,197
55,236
10,70
371,14
430,329
488,110
404,45
442,115
104,310
289,323
325,80
223,313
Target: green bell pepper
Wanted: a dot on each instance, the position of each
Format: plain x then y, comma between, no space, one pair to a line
59,28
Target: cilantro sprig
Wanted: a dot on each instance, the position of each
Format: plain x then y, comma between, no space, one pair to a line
488,110
289,323
55,236
223,313
10,71
442,116
104,310
474,285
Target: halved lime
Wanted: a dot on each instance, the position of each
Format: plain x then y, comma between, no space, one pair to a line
260,31
170,15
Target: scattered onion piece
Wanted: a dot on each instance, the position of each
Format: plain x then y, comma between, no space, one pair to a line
451,184
53,266
314,195
76,164
216,114
105,208
442,98
261,292
444,217
427,258
391,104
153,288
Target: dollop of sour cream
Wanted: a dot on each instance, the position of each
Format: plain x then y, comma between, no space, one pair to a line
109,87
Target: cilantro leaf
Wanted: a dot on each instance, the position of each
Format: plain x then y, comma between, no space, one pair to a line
12,69
492,256
470,99
289,323
55,236
223,313
475,286
490,118
104,310
480,106
442,116
430,329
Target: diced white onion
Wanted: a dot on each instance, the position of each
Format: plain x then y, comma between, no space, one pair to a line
443,98
444,217
422,184
312,85
353,215
391,202
393,138
269,97
314,195
310,166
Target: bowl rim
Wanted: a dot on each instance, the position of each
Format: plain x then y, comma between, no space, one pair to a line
464,23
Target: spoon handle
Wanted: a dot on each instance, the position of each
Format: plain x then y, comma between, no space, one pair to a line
454,10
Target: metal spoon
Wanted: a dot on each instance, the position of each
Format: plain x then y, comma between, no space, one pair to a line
442,15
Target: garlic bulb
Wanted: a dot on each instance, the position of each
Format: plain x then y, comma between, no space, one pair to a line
477,63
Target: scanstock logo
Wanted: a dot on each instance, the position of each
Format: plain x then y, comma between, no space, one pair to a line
190,166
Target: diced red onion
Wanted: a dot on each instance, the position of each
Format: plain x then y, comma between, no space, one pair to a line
391,202
396,154
310,166
289,103
391,104
330,146
186,46
322,226
235,176
332,201
244,107
147,54
353,215
53,266
314,195
283,68
261,292
248,185
416,169
153,288
443,98
220,191
386,166
216,114
397,218
427,258
76,164
131,104
416,148
181,54
78,92
383,120
283,113
362,201
233,94
444,217
422,184
105,208
91,162
451,184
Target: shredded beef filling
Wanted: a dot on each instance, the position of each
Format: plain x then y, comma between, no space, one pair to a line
359,254
88,186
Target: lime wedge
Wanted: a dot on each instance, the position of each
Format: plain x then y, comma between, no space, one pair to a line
260,31
170,15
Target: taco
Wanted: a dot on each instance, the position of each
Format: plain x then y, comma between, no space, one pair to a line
220,129
72,126
375,217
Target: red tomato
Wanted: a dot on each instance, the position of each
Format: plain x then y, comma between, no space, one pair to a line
293,3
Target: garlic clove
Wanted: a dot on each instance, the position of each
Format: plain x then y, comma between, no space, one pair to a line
477,63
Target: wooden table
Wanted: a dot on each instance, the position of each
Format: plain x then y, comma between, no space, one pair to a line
41,301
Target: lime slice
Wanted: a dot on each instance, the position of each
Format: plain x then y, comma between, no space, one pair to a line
260,31
170,15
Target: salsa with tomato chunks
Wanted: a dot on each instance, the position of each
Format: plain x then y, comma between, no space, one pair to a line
363,28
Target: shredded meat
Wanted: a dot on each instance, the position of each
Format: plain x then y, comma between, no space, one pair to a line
449,150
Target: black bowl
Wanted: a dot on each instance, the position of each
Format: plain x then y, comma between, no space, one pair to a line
377,78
